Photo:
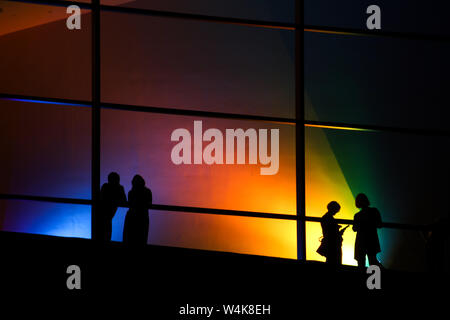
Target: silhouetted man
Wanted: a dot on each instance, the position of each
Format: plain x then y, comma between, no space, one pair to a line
332,235
112,195
366,222
437,244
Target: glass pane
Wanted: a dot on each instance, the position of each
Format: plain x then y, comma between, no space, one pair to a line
140,143
46,149
376,81
268,237
404,176
400,249
266,10
53,219
40,56
175,63
398,16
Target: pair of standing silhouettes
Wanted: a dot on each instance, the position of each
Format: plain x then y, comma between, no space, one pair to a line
365,224
112,196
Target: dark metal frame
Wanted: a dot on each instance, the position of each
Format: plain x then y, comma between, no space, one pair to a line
299,120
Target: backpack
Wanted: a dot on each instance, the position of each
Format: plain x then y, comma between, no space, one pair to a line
322,250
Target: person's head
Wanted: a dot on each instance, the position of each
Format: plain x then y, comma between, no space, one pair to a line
362,201
138,182
113,178
333,207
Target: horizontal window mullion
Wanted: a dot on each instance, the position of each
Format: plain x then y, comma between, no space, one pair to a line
170,14
200,210
379,34
223,115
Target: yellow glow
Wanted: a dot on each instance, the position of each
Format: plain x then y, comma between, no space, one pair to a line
258,236
338,128
332,32
314,232
325,182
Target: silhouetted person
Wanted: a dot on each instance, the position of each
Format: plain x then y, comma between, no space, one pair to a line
135,231
437,244
366,222
112,195
332,235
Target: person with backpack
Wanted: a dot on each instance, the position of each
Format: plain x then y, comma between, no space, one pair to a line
331,246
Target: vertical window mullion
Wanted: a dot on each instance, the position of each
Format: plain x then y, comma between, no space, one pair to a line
95,169
300,131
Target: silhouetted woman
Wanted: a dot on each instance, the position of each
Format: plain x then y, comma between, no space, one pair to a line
366,222
135,231
332,235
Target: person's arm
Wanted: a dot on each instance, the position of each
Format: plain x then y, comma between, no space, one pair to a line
329,228
341,231
378,221
324,229
130,199
355,224
150,199
102,193
123,197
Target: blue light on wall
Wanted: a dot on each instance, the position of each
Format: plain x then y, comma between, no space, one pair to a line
53,219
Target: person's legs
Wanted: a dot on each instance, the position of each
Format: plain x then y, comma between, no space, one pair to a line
361,261
373,261
331,259
108,231
127,228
